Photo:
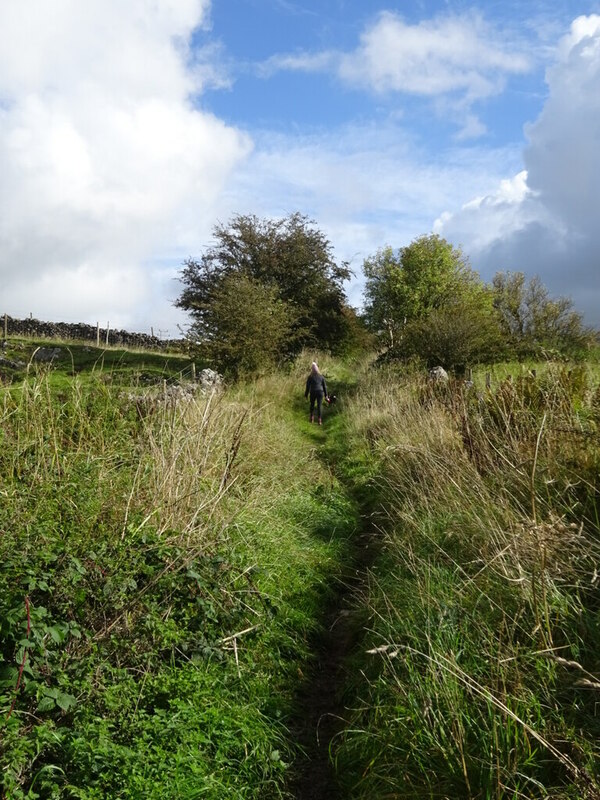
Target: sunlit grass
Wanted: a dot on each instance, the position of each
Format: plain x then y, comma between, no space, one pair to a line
483,621
164,563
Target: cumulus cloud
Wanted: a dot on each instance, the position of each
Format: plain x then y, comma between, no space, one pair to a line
546,220
458,57
365,185
447,54
102,152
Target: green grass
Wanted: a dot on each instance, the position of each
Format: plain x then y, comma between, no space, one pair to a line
483,629
519,369
164,567
115,364
163,571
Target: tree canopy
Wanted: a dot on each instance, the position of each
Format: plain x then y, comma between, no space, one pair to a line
407,286
426,301
287,262
411,282
531,320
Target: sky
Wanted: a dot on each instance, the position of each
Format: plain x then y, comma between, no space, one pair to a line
129,130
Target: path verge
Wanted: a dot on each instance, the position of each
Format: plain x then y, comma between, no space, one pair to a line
320,702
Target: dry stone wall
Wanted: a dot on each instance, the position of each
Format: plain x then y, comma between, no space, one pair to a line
37,329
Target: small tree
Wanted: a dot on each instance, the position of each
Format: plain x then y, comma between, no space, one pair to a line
291,258
453,336
531,320
428,302
410,283
382,272
246,327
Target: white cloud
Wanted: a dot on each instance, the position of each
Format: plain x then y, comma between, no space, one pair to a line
547,222
459,58
439,56
472,128
365,185
102,153
301,62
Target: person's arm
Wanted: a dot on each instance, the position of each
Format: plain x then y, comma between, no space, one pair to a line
307,387
324,385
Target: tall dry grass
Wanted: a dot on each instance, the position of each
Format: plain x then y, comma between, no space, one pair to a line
163,565
482,671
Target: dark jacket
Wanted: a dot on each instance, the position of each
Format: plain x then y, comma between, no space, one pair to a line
315,384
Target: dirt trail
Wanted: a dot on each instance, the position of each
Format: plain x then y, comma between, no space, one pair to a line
320,697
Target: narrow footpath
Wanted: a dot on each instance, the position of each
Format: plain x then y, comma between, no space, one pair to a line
320,700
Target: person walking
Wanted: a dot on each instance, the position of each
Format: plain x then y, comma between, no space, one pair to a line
317,389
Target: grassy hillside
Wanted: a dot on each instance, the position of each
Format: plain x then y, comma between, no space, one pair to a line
27,358
478,677
165,566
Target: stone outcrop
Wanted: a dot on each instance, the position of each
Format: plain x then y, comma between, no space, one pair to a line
208,378
47,354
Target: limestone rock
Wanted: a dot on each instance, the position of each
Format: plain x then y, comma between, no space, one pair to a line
438,375
47,354
208,378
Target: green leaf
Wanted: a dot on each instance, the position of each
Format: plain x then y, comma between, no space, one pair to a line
46,704
57,633
65,701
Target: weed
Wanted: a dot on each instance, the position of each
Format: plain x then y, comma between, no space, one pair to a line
483,593
161,574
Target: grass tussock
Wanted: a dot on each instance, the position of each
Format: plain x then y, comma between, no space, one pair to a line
163,563
164,559
479,676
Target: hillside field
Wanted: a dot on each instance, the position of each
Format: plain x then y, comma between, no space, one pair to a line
171,564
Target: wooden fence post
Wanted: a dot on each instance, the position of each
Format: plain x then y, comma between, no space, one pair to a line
193,371
107,330
97,334
488,380
470,374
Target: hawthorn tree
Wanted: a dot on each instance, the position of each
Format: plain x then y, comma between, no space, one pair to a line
291,260
247,326
289,255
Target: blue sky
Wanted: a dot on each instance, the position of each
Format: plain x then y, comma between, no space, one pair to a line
253,32
128,130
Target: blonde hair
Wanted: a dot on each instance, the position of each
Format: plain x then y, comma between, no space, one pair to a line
314,368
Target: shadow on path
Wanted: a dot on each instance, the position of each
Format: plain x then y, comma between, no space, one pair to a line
321,713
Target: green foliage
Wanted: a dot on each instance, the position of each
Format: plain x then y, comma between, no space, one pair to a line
416,280
427,302
358,340
163,569
134,549
532,321
475,678
292,262
248,327
453,336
